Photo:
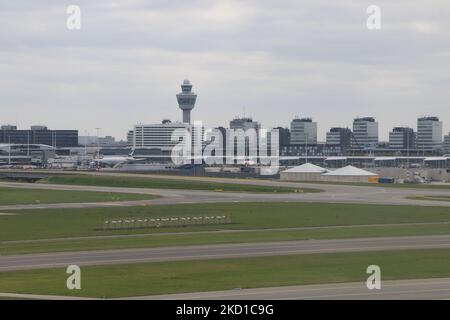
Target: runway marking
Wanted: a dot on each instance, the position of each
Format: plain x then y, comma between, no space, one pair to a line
41,296
250,293
257,245
271,252
356,294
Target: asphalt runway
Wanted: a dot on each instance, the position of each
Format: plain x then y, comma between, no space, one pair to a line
421,289
204,252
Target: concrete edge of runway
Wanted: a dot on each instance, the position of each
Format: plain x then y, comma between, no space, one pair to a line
405,289
426,288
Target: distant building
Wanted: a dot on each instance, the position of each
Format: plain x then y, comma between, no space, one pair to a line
311,150
8,127
402,138
340,137
39,135
38,128
221,150
157,136
365,133
447,144
94,140
130,138
429,133
284,135
87,140
283,140
382,145
303,131
107,140
245,124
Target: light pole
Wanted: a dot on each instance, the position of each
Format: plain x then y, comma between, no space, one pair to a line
85,143
306,148
9,150
54,140
98,147
28,144
407,146
98,141
85,160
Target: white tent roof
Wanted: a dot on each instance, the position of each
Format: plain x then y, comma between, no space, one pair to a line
307,168
350,171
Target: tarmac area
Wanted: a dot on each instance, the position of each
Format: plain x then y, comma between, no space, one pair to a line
398,289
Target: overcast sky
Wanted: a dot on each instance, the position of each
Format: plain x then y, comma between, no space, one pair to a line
273,59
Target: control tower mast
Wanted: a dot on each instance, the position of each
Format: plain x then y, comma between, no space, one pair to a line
186,100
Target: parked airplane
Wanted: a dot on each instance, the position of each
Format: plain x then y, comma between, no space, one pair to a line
112,161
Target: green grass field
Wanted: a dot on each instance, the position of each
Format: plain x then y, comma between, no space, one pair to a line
11,196
129,182
256,217
208,275
199,238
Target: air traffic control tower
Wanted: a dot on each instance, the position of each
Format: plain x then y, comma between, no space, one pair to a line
186,100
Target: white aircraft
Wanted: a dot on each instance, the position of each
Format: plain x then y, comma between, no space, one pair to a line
112,161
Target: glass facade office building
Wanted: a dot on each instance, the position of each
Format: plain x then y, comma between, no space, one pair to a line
54,138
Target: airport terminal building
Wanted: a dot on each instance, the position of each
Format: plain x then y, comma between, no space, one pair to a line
39,135
157,136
